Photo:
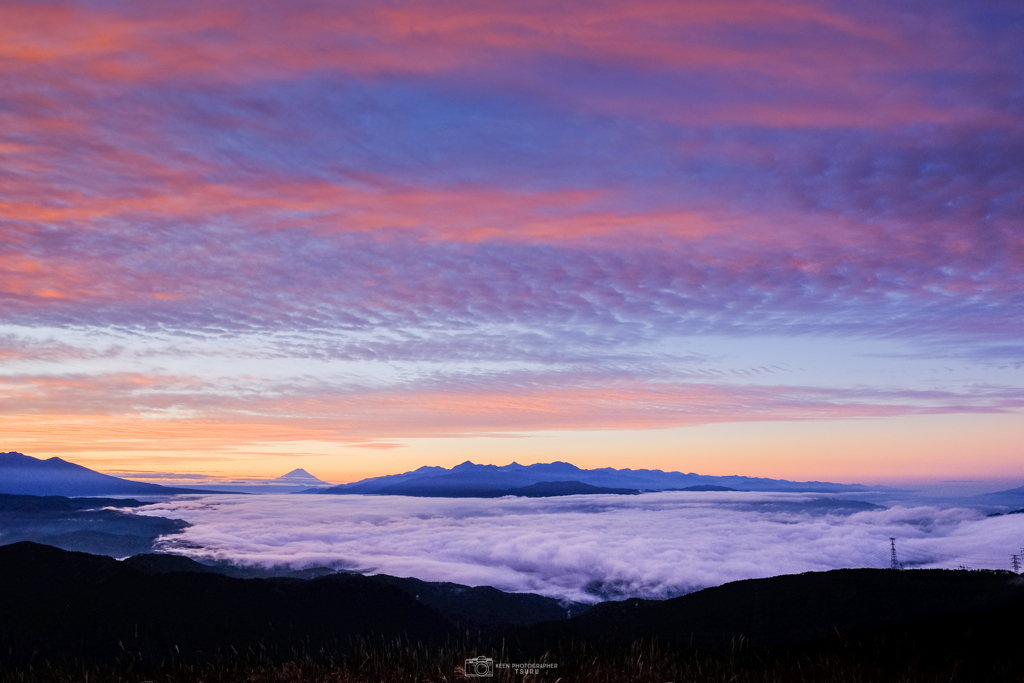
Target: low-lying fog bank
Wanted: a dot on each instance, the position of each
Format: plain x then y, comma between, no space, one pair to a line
585,547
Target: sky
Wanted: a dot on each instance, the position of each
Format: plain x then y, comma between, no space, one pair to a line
585,548
762,238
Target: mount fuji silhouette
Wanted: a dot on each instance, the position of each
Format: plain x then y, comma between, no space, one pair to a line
300,477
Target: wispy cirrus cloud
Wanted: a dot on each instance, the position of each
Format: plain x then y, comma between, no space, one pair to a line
232,411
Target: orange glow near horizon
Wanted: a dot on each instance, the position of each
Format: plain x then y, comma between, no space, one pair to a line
886,451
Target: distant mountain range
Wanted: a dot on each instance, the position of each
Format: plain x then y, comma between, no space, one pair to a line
25,475
1009,497
485,481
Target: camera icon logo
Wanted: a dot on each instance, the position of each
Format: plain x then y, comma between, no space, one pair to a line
479,667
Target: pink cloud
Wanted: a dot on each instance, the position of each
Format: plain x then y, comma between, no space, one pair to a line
830,51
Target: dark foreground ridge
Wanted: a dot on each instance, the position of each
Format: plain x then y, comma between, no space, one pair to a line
793,608
59,604
131,620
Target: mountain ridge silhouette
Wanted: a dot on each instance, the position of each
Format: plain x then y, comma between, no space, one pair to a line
468,479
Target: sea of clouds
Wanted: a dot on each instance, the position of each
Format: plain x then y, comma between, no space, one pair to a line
585,548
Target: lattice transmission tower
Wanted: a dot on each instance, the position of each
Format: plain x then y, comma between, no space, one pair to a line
893,562
1016,564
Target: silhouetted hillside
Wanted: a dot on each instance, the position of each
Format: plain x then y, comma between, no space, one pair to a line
74,604
59,604
153,615
480,606
794,608
160,563
484,606
163,563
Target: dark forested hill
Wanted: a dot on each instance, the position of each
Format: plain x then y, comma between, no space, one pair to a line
795,608
58,606
61,604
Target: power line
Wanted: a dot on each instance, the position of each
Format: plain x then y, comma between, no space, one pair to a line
921,557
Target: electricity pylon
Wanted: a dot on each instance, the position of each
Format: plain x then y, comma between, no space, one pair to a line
893,562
